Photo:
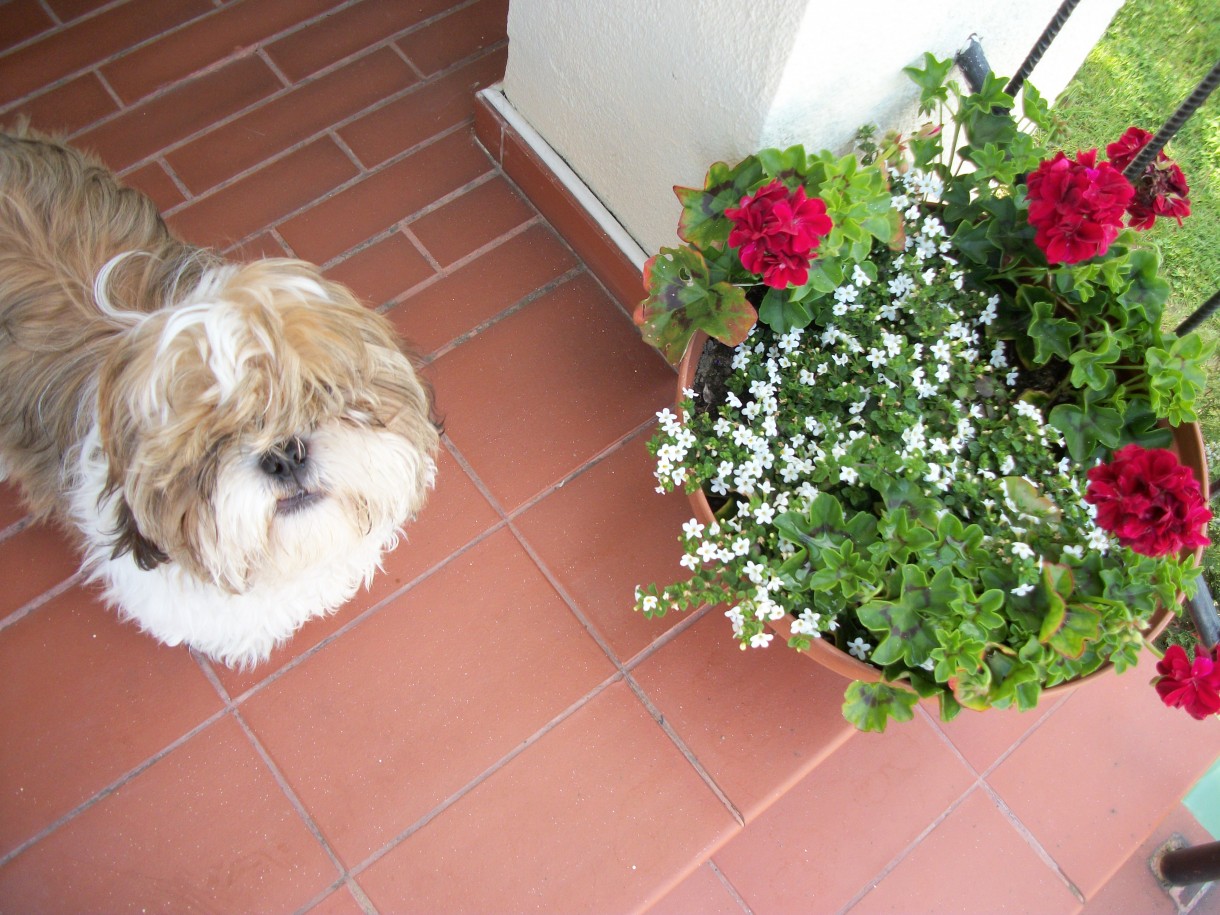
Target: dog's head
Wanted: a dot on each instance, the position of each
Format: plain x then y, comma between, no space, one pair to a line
261,424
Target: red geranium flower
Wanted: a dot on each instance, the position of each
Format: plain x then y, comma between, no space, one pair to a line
1160,191
776,232
1149,501
1076,206
1192,686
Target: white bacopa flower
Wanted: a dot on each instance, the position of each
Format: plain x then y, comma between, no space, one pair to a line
761,640
708,551
848,475
1022,590
1098,541
764,514
689,561
846,293
859,648
648,603
692,528
1022,550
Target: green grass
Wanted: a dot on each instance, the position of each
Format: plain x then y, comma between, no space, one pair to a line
1150,59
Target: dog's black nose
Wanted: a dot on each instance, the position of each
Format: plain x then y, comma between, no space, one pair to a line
284,460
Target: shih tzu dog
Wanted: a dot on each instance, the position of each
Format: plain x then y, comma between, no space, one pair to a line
237,444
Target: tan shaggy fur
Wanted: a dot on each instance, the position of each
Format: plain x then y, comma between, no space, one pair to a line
118,355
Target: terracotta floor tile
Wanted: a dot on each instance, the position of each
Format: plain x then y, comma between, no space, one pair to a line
32,561
383,270
597,816
580,379
455,515
482,288
83,700
61,53
262,245
68,108
756,742
604,533
973,861
1134,888
234,28
381,726
347,31
824,840
256,201
385,198
340,902
11,509
457,36
424,111
702,892
984,737
470,221
67,10
20,21
1093,781
139,132
152,179
206,828
290,118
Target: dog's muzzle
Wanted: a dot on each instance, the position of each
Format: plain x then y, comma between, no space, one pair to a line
288,465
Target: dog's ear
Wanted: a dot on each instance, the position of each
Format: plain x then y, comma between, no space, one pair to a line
128,539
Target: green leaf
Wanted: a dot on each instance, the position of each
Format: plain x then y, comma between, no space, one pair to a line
902,634
870,706
1029,500
1087,427
1148,292
682,299
1051,335
1090,364
1035,108
782,310
702,222
819,528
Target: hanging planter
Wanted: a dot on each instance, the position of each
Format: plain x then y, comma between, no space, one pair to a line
938,452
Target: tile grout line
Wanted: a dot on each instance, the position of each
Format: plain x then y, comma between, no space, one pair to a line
685,750
1032,841
45,597
397,227
1041,719
873,882
466,336
366,614
294,800
111,788
345,121
486,774
728,885
444,273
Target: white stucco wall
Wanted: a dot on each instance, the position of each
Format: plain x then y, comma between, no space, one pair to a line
639,95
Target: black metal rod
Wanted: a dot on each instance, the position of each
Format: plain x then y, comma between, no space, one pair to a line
1202,610
1040,46
1174,124
1193,864
1200,314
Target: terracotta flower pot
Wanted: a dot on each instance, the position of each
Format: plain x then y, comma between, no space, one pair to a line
1187,444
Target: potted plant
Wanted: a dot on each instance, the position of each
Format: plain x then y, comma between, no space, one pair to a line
929,438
